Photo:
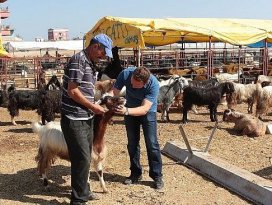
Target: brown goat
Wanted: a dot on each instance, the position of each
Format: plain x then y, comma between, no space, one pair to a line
53,145
245,124
102,87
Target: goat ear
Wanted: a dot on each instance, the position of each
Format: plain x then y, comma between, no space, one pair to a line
98,85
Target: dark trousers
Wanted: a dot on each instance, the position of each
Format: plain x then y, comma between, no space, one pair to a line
149,126
78,135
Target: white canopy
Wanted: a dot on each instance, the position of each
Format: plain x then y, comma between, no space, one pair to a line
33,45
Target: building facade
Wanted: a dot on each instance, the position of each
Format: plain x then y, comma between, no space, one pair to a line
58,34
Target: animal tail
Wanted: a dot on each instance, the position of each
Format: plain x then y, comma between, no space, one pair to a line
37,127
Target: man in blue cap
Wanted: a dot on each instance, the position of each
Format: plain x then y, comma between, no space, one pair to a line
78,109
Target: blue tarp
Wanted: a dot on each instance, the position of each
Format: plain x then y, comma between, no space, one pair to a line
260,44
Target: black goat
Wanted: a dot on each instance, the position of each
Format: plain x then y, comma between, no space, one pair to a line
53,83
204,83
205,96
22,99
50,103
113,69
3,98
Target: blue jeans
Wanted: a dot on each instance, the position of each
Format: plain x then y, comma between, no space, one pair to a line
149,126
78,135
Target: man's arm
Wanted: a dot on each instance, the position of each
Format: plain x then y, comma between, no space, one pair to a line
136,111
78,97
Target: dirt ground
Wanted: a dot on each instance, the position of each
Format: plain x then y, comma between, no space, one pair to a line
20,183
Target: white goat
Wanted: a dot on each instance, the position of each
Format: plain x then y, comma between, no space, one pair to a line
53,145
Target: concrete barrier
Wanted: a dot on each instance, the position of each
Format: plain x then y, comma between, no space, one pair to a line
240,181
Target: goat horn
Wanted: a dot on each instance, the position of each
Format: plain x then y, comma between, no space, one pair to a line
97,102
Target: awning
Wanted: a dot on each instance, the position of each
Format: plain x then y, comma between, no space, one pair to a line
45,45
3,52
140,32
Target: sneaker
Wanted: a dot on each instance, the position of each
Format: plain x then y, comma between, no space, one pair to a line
158,183
93,196
132,179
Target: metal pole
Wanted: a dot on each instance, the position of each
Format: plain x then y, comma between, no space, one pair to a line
185,139
210,138
239,61
139,57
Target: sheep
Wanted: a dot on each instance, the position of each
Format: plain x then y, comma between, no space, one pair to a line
262,78
205,96
242,93
223,77
266,83
245,124
264,100
52,142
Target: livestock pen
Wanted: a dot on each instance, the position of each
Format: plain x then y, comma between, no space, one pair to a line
26,72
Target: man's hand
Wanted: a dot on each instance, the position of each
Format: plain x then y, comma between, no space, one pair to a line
121,109
97,109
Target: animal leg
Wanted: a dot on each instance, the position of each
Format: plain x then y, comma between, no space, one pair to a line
167,113
184,117
250,102
194,109
99,172
13,121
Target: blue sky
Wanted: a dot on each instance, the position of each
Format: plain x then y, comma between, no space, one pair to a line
32,18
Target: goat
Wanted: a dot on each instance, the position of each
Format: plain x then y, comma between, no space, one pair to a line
3,98
245,124
50,100
204,83
53,83
22,99
50,103
114,67
166,95
102,87
242,93
205,96
52,143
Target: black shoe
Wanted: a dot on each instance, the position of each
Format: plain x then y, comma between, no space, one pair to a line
132,179
93,196
158,183
77,203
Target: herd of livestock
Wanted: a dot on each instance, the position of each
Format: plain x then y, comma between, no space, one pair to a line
174,90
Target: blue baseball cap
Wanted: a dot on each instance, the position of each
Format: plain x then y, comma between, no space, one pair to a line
106,42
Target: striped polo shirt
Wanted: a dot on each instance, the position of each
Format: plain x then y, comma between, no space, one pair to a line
81,71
